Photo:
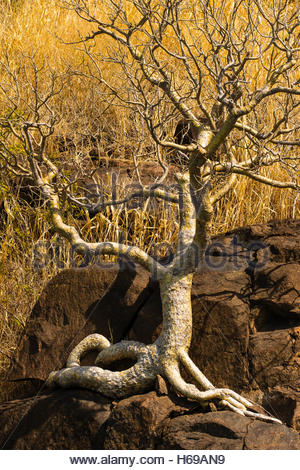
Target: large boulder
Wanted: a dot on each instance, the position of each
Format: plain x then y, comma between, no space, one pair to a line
80,419
225,430
64,419
276,289
134,421
277,240
76,303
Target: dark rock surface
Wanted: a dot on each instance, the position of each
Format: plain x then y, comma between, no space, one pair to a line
134,421
284,402
64,419
277,240
74,304
80,419
276,289
275,358
225,430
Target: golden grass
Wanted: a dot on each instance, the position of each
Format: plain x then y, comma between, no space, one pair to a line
37,25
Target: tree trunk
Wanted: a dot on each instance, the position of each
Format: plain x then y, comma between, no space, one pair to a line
175,292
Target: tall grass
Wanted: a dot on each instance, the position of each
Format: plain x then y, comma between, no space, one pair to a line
38,25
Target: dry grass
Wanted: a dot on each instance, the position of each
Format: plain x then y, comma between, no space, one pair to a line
36,25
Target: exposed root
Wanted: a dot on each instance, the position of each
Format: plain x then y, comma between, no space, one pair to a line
232,400
122,350
141,376
191,391
92,342
115,384
194,371
206,384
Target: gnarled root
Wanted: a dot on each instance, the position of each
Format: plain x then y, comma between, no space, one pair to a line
138,378
141,376
226,397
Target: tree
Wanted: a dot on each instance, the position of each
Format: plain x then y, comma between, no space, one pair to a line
217,66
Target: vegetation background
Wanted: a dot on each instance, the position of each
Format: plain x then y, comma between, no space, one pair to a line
35,27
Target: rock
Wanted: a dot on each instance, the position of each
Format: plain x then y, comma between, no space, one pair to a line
161,386
275,358
271,437
148,323
277,288
74,304
80,419
284,402
227,431
277,240
221,327
64,419
134,421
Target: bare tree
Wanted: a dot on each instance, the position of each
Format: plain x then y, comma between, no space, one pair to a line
217,66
